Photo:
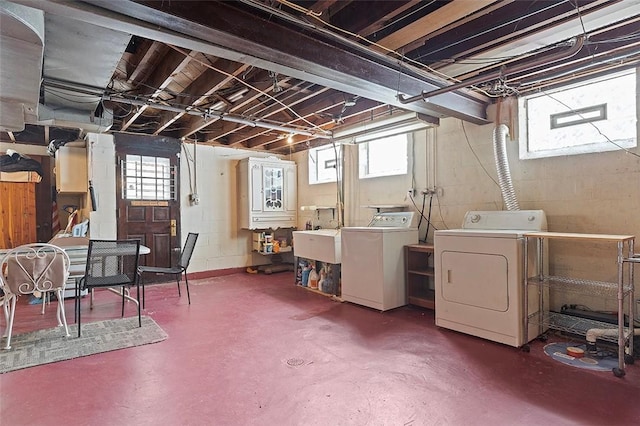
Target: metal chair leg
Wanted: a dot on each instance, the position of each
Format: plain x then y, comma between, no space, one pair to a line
123,301
138,295
141,281
186,281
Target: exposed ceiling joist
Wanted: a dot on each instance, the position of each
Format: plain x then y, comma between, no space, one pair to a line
222,30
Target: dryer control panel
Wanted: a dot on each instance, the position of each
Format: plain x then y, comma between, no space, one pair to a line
529,220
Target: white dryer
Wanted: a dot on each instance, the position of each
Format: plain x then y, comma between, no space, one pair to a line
479,275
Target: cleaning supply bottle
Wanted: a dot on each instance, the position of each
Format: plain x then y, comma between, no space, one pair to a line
313,278
305,275
323,275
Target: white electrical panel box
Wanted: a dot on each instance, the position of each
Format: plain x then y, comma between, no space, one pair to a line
267,192
71,170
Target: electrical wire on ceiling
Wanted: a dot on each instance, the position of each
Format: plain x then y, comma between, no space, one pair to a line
262,92
424,5
629,37
407,61
291,92
420,66
401,56
584,30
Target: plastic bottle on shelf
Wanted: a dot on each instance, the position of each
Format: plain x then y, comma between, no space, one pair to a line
305,275
323,275
313,278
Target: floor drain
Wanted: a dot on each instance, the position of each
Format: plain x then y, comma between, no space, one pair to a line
295,362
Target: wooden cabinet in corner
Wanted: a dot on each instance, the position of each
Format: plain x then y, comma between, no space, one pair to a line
71,170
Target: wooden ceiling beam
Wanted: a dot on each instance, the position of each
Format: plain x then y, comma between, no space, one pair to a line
383,21
140,60
162,76
556,22
269,112
442,17
195,124
227,30
205,85
359,14
363,106
328,7
354,118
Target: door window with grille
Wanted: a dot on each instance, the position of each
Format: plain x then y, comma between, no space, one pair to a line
148,178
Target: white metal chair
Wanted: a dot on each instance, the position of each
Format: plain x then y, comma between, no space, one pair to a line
32,268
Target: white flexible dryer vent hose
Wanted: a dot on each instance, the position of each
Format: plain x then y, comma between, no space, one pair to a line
502,165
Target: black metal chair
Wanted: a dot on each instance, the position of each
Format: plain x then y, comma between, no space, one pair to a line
110,264
178,270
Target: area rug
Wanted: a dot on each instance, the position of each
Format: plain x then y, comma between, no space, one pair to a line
50,345
602,361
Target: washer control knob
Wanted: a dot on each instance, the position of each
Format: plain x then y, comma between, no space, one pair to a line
475,218
531,218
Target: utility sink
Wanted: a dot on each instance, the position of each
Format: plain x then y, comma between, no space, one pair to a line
321,244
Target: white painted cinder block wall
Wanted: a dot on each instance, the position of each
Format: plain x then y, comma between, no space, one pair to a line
221,245
589,193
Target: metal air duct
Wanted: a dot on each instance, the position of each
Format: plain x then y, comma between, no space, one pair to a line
22,41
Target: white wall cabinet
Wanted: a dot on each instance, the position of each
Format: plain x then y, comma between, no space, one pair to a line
71,170
267,193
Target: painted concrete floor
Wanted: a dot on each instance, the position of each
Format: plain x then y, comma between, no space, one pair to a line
256,350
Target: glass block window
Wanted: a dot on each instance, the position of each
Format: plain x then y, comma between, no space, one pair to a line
594,116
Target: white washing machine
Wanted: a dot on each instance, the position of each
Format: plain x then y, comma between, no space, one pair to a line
373,261
479,275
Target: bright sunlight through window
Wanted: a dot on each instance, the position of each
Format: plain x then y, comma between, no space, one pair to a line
383,157
595,116
323,163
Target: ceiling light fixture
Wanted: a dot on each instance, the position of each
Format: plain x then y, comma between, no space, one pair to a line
386,127
276,87
349,102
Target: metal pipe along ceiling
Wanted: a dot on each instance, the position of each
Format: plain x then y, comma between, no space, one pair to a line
323,134
564,54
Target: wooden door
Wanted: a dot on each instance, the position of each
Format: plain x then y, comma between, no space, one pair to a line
147,192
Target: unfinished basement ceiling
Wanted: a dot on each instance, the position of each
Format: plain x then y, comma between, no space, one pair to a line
248,73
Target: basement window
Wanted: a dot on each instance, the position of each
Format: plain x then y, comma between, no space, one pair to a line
383,157
323,163
593,116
